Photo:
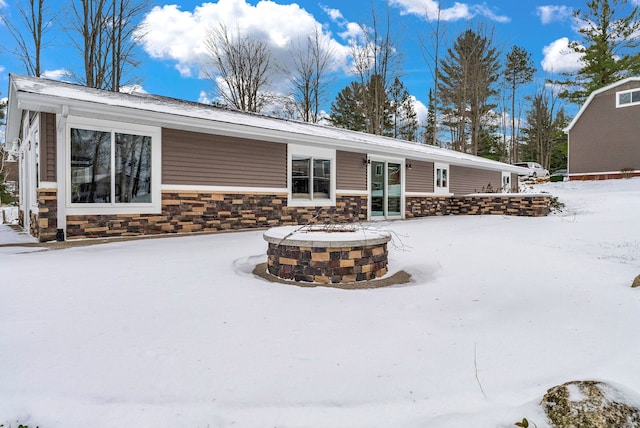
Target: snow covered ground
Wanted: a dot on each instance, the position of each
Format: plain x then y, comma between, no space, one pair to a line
177,332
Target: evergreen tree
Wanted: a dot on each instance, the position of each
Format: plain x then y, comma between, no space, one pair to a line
347,110
608,49
403,114
430,131
469,73
519,70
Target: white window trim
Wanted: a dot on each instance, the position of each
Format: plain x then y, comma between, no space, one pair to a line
442,190
153,207
314,152
620,105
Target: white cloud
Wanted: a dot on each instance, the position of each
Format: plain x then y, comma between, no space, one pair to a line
431,9
558,57
132,89
2,69
173,34
549,14
59,74
420,109
203,98
334,14
3,3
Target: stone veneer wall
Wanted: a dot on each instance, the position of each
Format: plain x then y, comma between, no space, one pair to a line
43,224
517,205
184,212
327,265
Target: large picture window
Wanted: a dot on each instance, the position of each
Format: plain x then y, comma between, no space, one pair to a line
112,167
311,176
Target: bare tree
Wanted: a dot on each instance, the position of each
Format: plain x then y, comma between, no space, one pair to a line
376,62
105,31
308,79
29,45
431,54
242,68
543,131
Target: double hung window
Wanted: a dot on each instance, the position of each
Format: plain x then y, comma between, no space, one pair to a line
312,176
441,178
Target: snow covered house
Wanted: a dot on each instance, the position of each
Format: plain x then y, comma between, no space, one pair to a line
604,136
97,164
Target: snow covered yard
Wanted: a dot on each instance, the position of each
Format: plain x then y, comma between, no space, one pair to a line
177,332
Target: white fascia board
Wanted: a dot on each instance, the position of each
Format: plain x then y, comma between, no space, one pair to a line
14,116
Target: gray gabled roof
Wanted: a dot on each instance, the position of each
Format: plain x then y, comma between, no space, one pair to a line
37,94
597,92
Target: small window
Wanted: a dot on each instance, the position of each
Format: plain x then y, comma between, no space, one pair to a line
312,176
441,178
628,98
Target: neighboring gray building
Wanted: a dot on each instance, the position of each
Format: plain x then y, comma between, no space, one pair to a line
604,137
95,163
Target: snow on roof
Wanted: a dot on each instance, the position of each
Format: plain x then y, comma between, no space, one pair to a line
55,94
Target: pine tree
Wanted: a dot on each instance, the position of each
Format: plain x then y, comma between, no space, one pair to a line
469,73
430,131
403,114
519,70
608,49
347,110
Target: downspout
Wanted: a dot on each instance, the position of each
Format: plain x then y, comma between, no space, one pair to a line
61,173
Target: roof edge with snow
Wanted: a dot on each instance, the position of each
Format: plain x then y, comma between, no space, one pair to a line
38,94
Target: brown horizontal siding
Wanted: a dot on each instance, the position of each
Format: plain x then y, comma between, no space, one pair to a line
419,177
192,158
465,180
606,138
351,171
48,140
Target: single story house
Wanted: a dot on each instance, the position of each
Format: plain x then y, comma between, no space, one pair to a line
98,164
604,135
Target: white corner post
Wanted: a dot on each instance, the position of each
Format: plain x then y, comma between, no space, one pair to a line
61,173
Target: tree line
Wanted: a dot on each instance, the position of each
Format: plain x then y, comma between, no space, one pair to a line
475,104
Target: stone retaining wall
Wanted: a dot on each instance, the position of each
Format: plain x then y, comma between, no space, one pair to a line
537,205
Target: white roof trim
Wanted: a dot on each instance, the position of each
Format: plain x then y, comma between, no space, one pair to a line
597,92
31,93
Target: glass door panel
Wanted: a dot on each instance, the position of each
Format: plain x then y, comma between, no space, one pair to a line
394,189
377,189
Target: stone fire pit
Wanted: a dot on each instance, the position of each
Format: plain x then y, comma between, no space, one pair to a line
322,254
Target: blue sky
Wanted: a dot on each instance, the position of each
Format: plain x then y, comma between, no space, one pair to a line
172,56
